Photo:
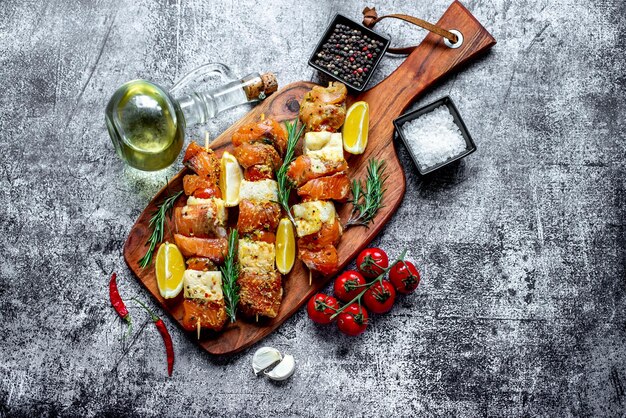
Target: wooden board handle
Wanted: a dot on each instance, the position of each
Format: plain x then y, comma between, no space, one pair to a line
425,65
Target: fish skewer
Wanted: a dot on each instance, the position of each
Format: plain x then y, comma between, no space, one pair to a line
259,150
320,174
201,237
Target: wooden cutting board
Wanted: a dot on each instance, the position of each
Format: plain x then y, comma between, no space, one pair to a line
429,62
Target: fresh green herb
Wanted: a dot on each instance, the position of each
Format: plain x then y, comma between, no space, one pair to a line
368,199
230,271
157,223
284,184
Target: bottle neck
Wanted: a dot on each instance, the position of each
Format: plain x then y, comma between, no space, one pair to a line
199,107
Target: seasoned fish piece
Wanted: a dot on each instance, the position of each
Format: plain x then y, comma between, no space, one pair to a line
324,109
217,205
256,255
335,187
195,185
329,234
258,172
204,300
200,264
259,191
258,216
264,236
267,132
212,248
305,168
204,163
257,154
325,260
310,216
260,293
201,218
210,314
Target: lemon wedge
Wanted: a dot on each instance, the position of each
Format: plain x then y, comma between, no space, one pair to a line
285,246
230,179
169,267
356,128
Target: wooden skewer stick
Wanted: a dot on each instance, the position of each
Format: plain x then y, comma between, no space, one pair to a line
198,327
310,277
257,317
206,141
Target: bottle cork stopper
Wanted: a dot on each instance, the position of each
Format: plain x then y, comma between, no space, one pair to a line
269,83
261,87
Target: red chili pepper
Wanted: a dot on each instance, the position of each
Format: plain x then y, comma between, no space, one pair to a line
117,301
167,340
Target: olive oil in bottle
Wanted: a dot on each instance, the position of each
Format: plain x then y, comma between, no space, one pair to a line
147,124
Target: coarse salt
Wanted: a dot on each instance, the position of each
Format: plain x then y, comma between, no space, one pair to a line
434,137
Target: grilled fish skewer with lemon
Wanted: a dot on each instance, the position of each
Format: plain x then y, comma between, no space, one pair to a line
321,176
201,237
259,148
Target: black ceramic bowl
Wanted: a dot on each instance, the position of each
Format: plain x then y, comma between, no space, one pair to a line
342,20
445,101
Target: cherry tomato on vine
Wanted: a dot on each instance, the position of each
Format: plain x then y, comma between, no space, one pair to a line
348,285
371,262
321,307
404,277
380,297
352,320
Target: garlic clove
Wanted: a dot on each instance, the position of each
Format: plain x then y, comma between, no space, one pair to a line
283,370
265,357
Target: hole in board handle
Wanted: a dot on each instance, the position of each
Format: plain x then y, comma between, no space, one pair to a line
459,41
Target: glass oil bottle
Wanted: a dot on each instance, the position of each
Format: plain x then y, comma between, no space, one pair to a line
147,123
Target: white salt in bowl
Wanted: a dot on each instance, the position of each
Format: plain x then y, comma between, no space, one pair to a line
435,135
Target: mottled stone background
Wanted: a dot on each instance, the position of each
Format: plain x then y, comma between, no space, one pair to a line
522,307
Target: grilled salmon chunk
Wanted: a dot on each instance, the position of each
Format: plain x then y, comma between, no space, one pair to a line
203,304
204,163
324,108
194,185
211,314
260,293
262,216
324,260
200,264
335,187
305,168
258,172
262,236
212,248
267,132
329,234
203,220
257,153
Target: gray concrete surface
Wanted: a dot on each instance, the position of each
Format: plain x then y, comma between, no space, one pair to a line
521,311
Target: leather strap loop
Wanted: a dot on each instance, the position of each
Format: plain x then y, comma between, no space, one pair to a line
370,18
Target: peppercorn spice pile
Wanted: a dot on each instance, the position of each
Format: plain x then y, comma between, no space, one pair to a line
349,54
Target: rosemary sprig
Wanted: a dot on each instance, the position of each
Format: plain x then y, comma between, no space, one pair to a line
284,184
368,199
230,271
157,223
